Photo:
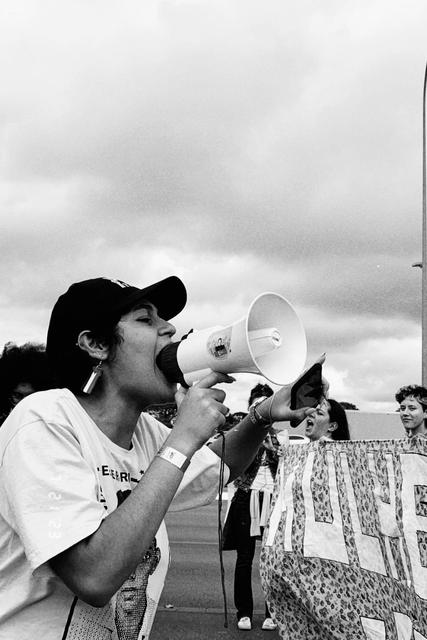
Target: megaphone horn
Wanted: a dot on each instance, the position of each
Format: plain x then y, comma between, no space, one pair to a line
269,341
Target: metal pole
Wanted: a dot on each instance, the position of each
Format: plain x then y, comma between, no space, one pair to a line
424,241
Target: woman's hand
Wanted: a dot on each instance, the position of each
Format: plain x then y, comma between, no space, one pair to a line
277,407
201,411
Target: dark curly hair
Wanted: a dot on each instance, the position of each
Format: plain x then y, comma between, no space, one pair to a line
419,393
26,363
259,391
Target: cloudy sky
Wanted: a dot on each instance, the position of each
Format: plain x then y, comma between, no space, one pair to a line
245,146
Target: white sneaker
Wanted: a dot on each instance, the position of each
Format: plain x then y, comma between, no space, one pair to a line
244,623
269,624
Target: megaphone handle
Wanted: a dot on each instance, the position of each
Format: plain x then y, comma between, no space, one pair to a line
194,376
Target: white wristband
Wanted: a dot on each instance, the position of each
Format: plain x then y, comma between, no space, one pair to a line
178,459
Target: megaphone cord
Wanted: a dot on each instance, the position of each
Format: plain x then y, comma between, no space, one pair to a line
220,529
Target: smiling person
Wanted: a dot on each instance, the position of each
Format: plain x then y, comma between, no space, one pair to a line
327,422
86,476
412,401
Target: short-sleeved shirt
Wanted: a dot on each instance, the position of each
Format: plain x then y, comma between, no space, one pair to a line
60,476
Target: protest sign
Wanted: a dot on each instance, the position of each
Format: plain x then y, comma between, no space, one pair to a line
345,553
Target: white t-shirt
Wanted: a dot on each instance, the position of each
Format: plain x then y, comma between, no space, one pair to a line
59,477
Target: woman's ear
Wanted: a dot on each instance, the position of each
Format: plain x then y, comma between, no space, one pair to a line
333,427
93,346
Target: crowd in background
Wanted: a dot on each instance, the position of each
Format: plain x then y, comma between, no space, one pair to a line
25,370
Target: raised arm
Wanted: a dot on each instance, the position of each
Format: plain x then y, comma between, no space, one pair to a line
243,441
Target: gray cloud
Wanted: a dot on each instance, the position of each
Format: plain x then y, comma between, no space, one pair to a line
243,147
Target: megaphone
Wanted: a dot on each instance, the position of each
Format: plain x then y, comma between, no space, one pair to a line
269,341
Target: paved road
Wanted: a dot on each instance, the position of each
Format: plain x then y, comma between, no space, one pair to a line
191,606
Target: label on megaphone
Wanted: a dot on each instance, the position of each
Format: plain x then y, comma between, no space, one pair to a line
219,343
268,341
261,341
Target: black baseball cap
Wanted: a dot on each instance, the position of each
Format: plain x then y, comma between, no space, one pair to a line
99,302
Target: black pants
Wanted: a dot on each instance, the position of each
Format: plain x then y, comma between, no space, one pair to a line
238,537
243,599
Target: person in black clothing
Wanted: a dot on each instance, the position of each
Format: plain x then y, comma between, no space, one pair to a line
247,516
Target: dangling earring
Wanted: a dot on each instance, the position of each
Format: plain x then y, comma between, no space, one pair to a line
93,378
